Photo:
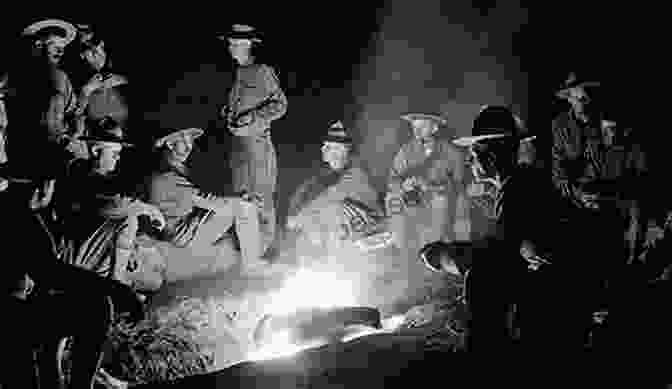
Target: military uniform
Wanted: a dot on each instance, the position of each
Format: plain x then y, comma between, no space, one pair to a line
171,190
442,168
337,205
256,91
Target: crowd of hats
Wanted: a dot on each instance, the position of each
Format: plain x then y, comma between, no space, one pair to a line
490,122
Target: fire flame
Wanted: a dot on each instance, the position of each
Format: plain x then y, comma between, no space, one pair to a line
312,289
306,289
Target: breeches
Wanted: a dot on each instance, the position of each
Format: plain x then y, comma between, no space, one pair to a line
243,215
254,165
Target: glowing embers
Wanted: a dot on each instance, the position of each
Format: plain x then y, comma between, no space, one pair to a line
309,289
313,308
281,344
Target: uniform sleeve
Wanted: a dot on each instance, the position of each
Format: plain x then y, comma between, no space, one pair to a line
461,202
357,186
297,200
58,106
278,106
172,195
399,165
559,174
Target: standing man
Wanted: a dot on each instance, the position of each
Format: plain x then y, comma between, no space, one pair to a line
45,104
427,175
255,101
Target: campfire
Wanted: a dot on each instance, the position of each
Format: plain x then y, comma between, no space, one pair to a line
312,309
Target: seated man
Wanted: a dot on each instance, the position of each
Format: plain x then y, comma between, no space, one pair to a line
339,203
100,222
197,219
426,187
46,299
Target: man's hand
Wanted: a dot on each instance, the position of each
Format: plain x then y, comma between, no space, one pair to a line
42,196
653,234
138,208
294,223
411,183
114,80
78,149
96,82
529,253
252,197
4,184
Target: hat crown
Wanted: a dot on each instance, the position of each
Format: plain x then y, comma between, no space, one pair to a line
495,119
242,32
337,133
242,28
411,117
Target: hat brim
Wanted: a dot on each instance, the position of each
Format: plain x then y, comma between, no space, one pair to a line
467,141
564,91
411,117
241,36
70,30
333,139
193,132
102,140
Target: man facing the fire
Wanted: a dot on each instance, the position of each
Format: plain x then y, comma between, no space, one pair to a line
339,204
427,175
196,218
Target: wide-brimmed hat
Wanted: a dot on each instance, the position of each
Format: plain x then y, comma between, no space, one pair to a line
337,134
492,121
572,82
437,119
241,32
176,134
69,32
105,130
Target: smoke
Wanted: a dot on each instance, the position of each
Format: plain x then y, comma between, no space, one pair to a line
438,57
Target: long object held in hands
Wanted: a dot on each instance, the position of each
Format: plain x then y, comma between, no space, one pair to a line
233,122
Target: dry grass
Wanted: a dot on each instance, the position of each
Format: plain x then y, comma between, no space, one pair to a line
163,347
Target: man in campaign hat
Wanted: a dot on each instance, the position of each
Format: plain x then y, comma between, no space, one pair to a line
98,211
426,180
45,100
194,218
255,101
340,196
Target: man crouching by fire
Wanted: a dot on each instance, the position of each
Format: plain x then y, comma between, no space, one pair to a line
339,204
498,302
45,300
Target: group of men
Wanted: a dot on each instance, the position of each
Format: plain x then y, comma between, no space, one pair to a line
83,226
569,266
79,229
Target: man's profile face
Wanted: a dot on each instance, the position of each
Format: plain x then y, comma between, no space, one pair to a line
53,48
423,129
181,148
449,266
108,154
96,56
335,154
